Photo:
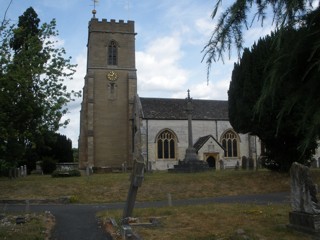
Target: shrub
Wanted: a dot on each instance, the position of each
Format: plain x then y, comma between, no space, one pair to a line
48,165
4,168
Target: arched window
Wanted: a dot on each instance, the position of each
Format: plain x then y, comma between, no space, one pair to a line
166,144
230,144
112,53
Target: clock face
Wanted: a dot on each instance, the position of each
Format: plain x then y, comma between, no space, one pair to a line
112,76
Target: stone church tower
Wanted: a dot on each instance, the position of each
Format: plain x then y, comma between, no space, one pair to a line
108,95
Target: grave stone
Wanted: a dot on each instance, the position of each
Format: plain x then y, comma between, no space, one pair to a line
305,214
237,166
11,173
25,170
38,168
221,164
21,171
244,162
89,170
124,167
250,163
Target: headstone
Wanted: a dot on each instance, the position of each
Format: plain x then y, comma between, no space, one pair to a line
305,214
38,169
313,162
221,164
88,171
237,166
124,167
11,173
250,163
25,170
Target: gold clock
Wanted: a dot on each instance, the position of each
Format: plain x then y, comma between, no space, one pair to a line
112,76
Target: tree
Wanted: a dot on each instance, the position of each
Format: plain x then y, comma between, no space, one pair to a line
229,28
62,149
248,79
33,95
295,68
50,148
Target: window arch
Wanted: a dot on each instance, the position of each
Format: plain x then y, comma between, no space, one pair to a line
112,53
230,144
166,145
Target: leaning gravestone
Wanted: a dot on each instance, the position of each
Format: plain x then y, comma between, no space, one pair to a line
137,177
305,214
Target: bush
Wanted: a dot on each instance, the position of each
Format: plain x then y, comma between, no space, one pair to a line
66,173
4,168
48,165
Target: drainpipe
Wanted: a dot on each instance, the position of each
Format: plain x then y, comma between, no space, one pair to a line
216,130
147,143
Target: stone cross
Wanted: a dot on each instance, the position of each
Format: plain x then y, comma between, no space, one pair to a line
136,182
191,154
137,174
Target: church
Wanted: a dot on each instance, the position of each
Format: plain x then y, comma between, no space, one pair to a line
115,121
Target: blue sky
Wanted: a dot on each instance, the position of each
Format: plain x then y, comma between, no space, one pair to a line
170,37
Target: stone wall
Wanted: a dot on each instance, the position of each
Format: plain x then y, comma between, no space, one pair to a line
180,128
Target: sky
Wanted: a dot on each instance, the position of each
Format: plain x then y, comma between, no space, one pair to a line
171,35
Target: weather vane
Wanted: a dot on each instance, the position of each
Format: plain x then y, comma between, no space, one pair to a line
94,11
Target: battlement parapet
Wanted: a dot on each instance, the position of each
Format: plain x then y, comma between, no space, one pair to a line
116,26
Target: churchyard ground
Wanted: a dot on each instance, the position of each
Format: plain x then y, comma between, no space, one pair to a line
213,221
106,188
216,221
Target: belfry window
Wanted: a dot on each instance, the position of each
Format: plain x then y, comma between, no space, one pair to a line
112,53
230,144
166,144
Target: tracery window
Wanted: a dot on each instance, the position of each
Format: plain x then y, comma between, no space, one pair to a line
112,53
230,144
166,144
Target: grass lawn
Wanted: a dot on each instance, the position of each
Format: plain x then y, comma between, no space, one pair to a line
104,188
35,226
203,222
214,222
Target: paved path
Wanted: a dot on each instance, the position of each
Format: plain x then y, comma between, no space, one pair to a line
78,221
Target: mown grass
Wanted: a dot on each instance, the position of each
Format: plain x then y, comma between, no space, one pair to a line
104,188
213,222
36,227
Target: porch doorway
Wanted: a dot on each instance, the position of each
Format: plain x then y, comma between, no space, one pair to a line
212,159
211,162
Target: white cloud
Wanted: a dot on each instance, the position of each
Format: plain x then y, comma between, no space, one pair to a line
257,31
202,90
204,26
158,67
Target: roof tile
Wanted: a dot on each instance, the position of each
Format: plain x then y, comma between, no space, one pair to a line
175,109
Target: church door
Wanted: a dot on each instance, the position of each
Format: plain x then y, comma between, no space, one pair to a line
211,162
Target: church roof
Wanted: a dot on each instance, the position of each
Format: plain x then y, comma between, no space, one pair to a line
175,109
202,140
